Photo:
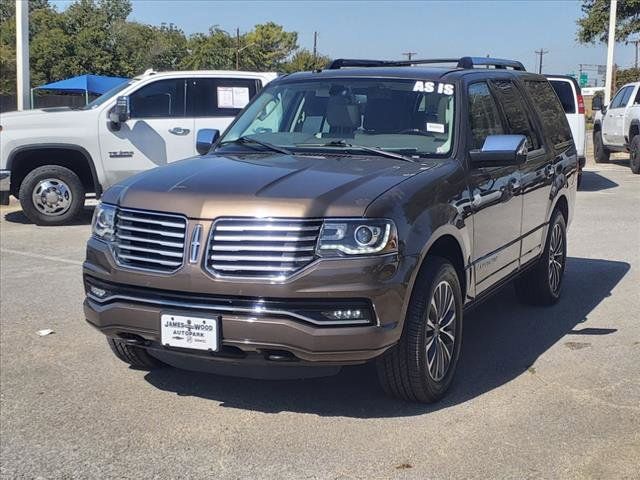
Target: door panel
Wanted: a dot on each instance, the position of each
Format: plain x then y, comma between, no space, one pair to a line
613,118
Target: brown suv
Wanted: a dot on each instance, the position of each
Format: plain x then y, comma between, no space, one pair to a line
346,215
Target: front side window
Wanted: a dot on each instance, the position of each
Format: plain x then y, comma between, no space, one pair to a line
406,116
621,98
514,109
219,97
484,117
160,99
554,119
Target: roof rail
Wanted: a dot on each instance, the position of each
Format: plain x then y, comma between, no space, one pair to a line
463,62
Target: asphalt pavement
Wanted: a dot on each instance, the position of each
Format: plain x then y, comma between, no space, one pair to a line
540,392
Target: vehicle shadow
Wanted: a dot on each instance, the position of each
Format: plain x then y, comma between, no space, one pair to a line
502,340
17,216
593,182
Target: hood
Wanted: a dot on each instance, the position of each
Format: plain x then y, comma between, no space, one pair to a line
39,117
264,185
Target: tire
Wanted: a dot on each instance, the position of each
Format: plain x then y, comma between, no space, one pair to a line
542,285
404,370
135,356
634,156
600,152
62,204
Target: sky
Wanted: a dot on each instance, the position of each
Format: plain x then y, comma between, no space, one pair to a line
385,29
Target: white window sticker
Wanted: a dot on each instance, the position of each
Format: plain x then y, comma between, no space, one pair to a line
429,87
435,127
233,97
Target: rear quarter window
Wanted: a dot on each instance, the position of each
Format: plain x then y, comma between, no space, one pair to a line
565,94
553,118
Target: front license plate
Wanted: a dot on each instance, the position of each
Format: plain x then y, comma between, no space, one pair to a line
197,333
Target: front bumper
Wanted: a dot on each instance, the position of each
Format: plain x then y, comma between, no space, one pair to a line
256,318
5,184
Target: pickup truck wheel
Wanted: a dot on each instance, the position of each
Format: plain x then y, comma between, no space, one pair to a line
600,152
634,158
543,283
51,195
135,356
421,366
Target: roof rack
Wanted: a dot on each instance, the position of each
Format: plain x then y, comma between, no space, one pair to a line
463,62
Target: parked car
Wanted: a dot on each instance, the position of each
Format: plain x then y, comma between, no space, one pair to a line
568,90
51,158
617,126
347,215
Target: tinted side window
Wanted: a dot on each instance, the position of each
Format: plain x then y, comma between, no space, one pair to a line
484,118
554,120
161,99
565,94
637,100
515,111
219,97
620,100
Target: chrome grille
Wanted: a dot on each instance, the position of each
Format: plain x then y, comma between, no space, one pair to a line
151,241
261,248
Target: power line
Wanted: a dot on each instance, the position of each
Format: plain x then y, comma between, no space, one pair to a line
409,55
541,52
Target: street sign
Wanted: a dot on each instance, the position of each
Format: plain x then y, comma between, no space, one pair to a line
584,80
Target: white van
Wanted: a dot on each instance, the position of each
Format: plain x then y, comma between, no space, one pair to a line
51,158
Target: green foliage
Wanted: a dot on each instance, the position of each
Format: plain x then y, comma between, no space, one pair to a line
594,25
94,36
627,76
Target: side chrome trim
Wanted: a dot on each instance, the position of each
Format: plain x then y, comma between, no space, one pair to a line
220,308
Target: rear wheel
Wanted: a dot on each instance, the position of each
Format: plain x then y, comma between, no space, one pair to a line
51,195
600,152
543,283
634,158
420,368
135,356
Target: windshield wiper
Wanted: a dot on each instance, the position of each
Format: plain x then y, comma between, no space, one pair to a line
343,144
248,140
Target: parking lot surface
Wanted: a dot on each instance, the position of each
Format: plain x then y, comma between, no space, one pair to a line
540,392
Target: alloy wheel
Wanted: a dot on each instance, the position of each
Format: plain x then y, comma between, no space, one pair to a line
556,258
441,331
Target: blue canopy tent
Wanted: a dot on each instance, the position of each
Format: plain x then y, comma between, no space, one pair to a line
96,84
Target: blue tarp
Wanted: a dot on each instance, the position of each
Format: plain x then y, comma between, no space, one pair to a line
85,83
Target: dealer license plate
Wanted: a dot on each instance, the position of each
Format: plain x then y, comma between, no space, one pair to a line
197,333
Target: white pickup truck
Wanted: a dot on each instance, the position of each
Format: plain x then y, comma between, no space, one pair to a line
616,127
51,158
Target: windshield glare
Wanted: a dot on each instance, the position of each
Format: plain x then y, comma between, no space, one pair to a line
405,116
107,95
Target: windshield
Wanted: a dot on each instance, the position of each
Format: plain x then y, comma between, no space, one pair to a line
410,117
107,95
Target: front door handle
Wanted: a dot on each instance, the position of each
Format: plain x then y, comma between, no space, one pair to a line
179,131
549,170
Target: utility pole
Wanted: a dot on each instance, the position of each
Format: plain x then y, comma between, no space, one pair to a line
636,43
409,55
541,52
610,46
237,48
22,55
315,47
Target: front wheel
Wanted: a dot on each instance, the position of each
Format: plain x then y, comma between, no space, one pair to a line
634,157
135,356
420,368
600,152
51,195
543,283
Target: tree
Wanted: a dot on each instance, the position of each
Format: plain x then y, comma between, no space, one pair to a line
303,60
215,50
594,25
626,76
268,46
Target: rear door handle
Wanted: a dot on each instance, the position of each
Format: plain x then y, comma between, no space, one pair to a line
179,131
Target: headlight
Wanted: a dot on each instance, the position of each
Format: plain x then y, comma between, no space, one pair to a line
357,237
103,223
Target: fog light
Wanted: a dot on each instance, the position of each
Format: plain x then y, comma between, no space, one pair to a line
350,314
97,292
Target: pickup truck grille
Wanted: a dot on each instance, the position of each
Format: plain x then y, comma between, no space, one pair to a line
150,241
257,248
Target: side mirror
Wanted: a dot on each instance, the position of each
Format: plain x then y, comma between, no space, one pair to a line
596,103
205,140
500,150
120,112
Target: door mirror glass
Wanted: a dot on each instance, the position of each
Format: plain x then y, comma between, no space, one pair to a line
500,150
596,103
121,111
205,140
